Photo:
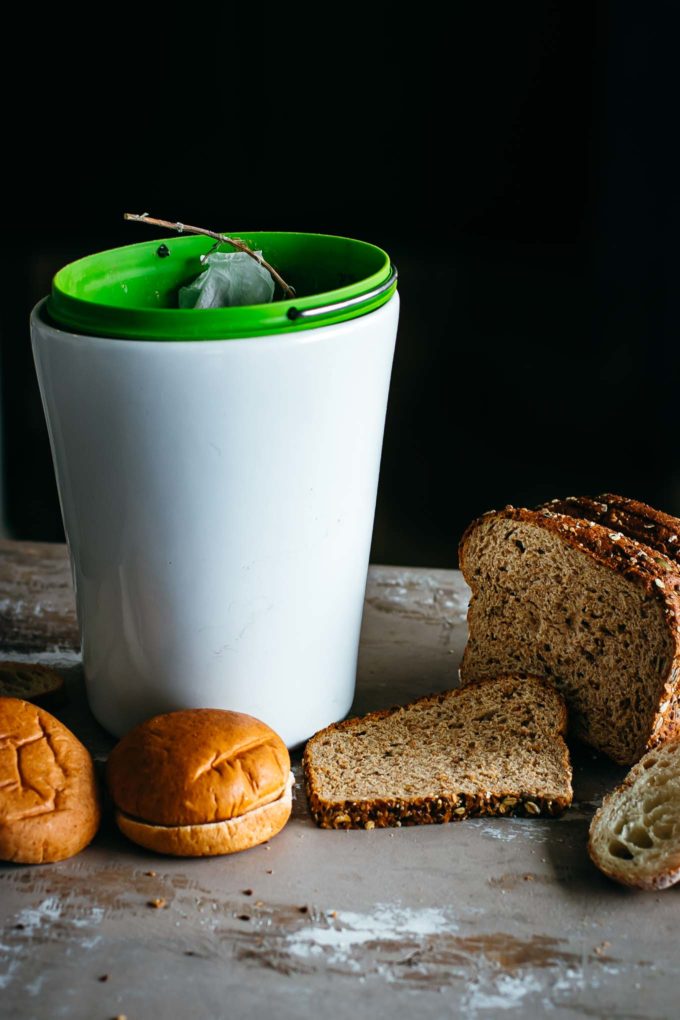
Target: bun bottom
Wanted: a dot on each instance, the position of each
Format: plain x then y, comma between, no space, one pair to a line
212,838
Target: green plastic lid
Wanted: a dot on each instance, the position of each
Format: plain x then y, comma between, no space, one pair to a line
131,293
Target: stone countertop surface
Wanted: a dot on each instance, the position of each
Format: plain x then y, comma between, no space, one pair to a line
484,918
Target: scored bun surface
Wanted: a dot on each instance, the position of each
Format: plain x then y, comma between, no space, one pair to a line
200,781
49,804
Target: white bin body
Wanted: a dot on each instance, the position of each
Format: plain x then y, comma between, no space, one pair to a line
218,499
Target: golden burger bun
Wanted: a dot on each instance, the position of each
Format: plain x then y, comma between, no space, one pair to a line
49,805
200,782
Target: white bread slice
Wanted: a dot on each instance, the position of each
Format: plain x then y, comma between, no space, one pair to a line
635,835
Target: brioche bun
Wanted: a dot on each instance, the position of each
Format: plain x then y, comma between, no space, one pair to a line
49,805
200,782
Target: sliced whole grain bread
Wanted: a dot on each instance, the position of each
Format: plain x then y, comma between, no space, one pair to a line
635,835
592,610
493,748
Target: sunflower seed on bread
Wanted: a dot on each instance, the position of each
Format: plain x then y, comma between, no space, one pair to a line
31,681
635,835
493,748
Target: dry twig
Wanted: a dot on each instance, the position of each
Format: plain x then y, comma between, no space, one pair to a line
185,228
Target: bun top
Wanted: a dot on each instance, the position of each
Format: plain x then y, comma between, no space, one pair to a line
49,807
197,765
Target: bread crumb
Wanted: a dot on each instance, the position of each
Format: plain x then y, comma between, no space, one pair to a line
151,874
601,949
158,903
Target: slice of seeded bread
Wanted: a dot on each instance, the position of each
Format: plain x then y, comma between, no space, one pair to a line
31,682
588,608
494,748
635,835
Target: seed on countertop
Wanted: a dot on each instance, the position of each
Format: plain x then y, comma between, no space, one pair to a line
157,903
103,977
247,892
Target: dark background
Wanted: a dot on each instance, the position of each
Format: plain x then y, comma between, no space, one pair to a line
516,160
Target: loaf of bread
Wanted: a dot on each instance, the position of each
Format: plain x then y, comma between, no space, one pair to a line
593,610
635,835
493,748
200,782
49,804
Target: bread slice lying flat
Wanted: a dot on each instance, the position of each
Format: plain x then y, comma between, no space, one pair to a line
494,748
635,836
592,610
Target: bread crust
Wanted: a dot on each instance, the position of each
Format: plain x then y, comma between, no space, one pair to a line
634,519
196,766
212,838
49,803
644,566
384,812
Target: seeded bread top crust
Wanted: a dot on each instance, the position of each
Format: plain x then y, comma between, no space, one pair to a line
654,572
636,520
